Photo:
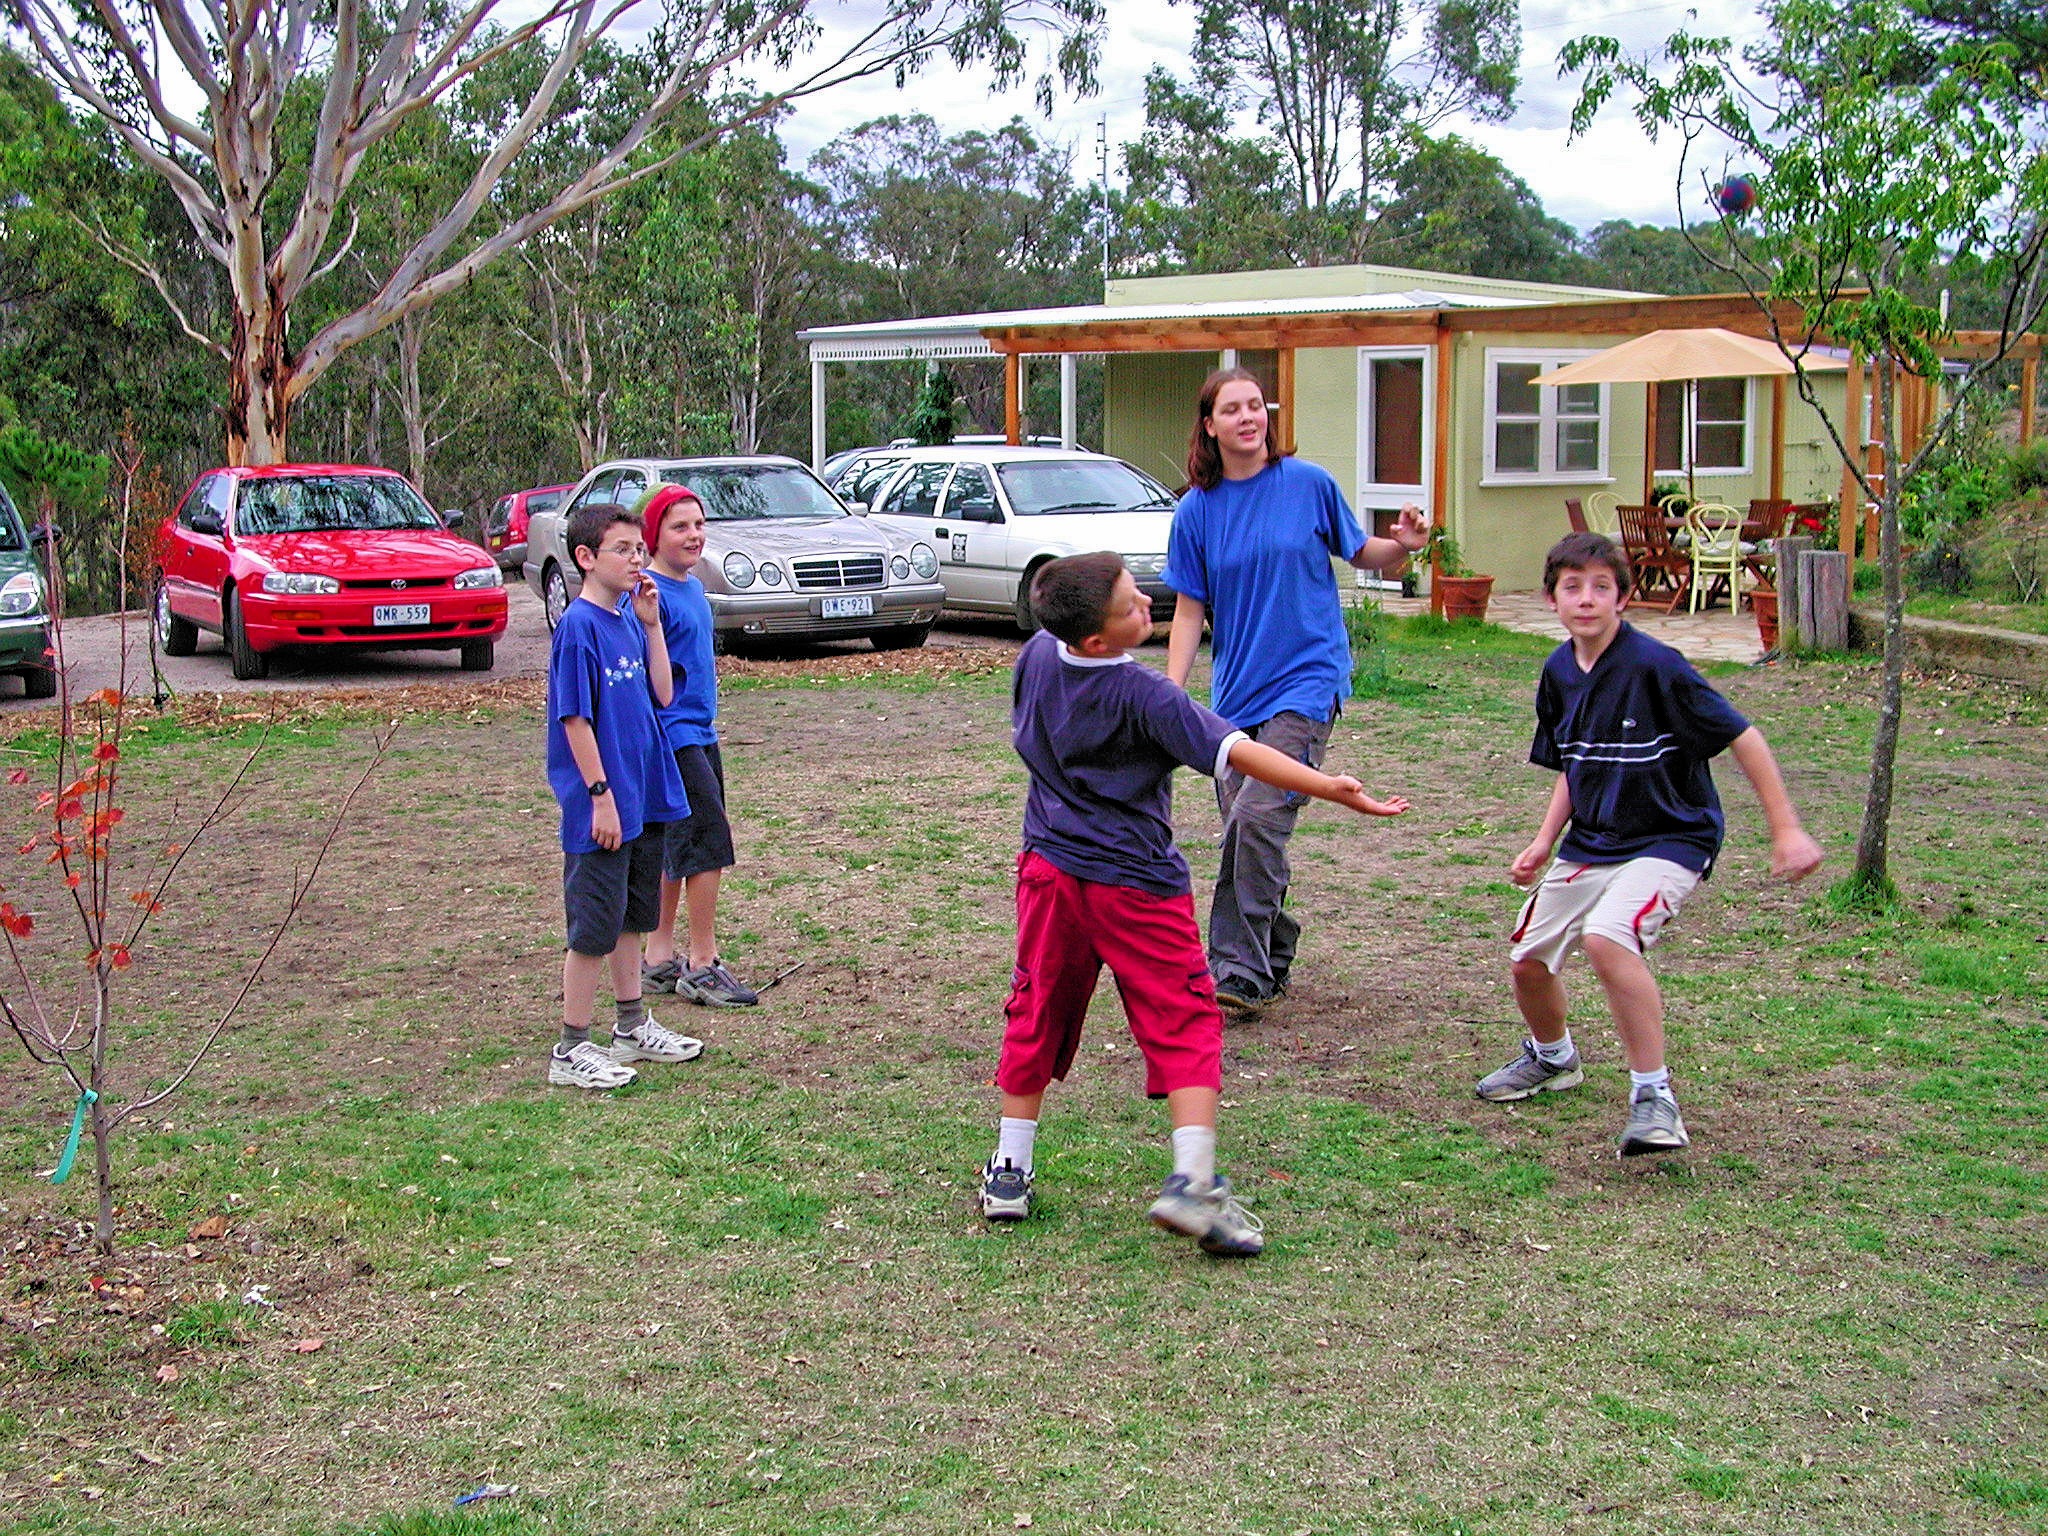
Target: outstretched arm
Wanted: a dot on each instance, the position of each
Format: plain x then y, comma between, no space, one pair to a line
1258,761
1530,861
1794,855
1184,639
1411,533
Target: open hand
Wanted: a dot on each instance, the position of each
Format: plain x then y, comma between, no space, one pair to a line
1529,864
1410,531
1348,792
1794,855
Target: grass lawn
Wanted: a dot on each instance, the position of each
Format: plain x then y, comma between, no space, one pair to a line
751,1294
2027,618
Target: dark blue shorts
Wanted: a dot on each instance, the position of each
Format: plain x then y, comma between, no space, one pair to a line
613,891
702,840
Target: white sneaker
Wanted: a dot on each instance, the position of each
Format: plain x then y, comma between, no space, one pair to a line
650,1042
587,1066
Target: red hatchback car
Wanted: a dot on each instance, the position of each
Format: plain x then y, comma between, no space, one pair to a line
505,524
321,555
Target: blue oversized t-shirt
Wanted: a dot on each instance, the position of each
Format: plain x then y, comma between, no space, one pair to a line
1256,553
598,670
1101,738
689,719
1632,738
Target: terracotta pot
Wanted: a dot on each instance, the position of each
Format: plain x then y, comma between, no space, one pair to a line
1465,597
1764,600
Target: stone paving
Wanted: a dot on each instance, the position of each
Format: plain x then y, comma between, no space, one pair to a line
1714,634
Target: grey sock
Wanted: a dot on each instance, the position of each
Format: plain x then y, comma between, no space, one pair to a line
632,1014
571,1038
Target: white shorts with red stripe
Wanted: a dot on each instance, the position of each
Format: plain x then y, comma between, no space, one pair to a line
1627,903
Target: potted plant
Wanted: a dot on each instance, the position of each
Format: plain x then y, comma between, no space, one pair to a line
1465,592
1763,602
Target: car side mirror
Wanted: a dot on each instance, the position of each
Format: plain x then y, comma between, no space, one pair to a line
452,517
857,508
207,523
44,533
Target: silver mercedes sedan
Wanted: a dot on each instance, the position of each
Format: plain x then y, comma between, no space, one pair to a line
783,559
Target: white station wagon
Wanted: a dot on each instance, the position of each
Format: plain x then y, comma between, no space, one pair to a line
995,514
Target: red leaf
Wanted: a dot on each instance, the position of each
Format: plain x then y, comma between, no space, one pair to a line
20,924
19,776
29,846
111,697
105,752
118,954
67,808
73,879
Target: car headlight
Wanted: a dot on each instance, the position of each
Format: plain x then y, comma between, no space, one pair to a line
739,570
771,574
22,594
923,561
899,568
1144,565
479,576
299,584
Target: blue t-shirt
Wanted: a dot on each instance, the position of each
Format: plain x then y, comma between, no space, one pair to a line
690,718
598,671
1101,739
1256,553
1632,738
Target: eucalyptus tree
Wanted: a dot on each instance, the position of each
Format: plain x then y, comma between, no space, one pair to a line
138,66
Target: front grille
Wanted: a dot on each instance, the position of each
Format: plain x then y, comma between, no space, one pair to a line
399,584
832,572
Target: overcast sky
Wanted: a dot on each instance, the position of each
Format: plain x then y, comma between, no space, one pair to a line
1614,172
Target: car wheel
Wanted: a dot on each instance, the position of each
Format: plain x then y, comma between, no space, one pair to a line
174,636
39,679
1026,620
479,655
554,594
244,660
901,637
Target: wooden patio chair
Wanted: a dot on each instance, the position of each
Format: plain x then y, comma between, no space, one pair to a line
1717,550
1663,571
1764,526
1575,515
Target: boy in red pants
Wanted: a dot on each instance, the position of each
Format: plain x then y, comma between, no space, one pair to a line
1100,882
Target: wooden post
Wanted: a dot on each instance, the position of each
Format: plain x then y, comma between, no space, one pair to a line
1650,399
1440,457
1286,400
1824,604
1013,398
1778,442
1791,595
1852,439
2030,379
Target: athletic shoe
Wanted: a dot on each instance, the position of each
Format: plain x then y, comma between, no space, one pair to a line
661,976
1213,1217
650,1042
1528,1075
713,986
1653,1125
1241,996
1005,1192
587,1066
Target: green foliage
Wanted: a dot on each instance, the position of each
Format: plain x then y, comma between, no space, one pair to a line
931,418
1444,550
1457,208
207,1324
46,476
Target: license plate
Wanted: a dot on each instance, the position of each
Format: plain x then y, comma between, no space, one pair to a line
862,607
402,613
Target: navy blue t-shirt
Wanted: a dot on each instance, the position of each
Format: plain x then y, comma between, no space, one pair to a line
1101,739
1256,553
690,718
598,671
1632,738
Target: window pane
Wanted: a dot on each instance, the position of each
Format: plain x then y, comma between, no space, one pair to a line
1718,447
1514,394
1578,445
1396,421
1671,429
1579,400
1514,447
970,492
918,495
1720,399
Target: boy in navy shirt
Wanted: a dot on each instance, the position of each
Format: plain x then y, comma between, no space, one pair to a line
1628,726
617,785
1100,882
697,849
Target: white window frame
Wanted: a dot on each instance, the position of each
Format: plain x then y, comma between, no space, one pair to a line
1546,471
1689,442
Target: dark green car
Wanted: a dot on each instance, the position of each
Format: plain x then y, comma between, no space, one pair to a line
24,616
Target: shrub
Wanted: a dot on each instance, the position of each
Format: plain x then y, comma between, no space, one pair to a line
1941,567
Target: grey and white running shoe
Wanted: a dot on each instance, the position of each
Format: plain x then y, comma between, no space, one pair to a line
1528,1075
1653,1125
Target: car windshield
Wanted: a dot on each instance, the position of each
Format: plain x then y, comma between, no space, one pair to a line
330,503
734,493
1040,488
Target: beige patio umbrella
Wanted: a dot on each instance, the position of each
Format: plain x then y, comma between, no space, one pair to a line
1707,352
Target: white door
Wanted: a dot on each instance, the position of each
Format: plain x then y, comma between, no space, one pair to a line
1396,433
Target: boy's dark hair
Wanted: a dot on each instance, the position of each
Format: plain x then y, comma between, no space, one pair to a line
1070,597
1583,551
588,525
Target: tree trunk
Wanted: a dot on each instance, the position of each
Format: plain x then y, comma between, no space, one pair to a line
411,342
1871,876
102,1132
260,373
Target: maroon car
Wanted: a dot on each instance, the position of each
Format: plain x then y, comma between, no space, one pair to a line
321,555
505,527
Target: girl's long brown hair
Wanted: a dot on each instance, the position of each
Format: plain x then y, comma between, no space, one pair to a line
1205,459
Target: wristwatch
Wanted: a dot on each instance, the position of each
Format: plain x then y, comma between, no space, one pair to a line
598,789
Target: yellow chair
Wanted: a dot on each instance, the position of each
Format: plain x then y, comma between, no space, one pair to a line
1600,514
1714,540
